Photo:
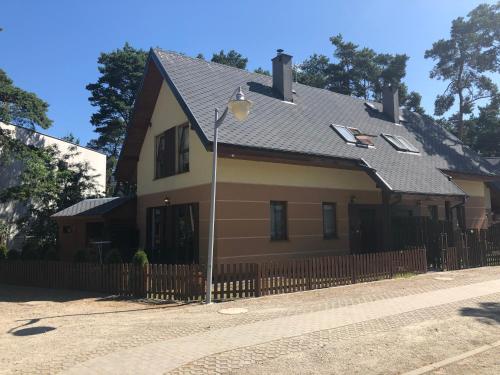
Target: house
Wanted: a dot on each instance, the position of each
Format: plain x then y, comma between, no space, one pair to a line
309,173
10,212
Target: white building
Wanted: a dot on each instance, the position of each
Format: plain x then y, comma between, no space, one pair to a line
10,212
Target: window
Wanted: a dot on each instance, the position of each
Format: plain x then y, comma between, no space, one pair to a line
172,152
329,220
278,221
400,143
353,135
433,212
183,149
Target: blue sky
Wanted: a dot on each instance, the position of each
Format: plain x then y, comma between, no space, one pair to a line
51,47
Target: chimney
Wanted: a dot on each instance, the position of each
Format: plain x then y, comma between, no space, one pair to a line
282,75
390,102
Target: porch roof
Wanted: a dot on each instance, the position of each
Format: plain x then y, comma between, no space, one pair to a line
92,207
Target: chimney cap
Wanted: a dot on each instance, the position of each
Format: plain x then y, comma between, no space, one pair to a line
279,51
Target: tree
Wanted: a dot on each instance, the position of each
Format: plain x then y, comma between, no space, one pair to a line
464,61
48,182
483,130
71,138
20,107
359,72
200,56
114,93
232,58
262,71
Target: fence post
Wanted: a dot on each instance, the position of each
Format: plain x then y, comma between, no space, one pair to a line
258,279
353,268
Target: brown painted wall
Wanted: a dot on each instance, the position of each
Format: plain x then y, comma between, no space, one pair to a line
243,227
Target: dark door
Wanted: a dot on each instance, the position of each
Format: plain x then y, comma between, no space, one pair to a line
173,234
364,228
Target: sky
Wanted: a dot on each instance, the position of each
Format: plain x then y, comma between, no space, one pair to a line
51,47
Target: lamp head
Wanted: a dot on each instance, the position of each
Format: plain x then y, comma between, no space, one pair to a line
239,106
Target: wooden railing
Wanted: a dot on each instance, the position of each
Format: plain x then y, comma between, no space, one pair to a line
187,282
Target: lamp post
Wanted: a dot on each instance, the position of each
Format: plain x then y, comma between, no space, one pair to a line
240,108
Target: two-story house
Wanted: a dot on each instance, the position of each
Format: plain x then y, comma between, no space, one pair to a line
310,172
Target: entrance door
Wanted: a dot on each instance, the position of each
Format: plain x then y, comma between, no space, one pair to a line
364,228
173,234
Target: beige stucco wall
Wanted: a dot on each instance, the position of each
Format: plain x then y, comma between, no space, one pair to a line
478,204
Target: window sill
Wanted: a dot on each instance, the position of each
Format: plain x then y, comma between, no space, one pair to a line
336,237
279,239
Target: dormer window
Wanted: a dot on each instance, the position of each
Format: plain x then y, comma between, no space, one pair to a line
400,143
354,136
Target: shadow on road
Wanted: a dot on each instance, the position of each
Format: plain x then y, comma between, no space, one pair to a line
31,331
487,312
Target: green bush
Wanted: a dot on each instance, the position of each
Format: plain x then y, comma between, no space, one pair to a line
3,252
51,255
113,257
80,256
30,251
13,255
140,257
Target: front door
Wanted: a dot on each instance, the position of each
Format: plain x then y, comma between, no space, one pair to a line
364,228
173,234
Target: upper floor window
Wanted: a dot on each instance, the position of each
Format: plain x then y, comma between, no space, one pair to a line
278,221
172,152
354,136
400,143
183,149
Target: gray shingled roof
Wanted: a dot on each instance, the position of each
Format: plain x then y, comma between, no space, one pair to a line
304,126
92,207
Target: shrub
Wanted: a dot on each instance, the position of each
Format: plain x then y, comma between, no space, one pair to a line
140,257
113,257
30,251
51,254
80,256
3,252
13,255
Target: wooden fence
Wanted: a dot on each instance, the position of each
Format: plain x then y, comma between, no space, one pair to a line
471,248
187,282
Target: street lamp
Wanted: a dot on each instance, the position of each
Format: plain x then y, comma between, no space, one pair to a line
240,108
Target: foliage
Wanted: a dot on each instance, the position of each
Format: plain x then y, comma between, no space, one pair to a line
51,254
3,252
30,251
71,138
232,58
262,71
200,56
359,72
140,257
80,256
47,182
114,93
20,107
483,131
13,255
464,61
113,257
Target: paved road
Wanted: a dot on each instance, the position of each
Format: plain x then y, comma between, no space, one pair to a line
199,351
450,321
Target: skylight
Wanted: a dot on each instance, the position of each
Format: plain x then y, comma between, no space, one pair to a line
354,136
400,143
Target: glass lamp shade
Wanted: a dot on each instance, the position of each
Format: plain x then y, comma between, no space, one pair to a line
240,108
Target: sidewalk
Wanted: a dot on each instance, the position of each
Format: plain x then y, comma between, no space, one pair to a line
164,356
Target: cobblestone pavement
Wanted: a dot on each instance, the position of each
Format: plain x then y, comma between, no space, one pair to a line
96,331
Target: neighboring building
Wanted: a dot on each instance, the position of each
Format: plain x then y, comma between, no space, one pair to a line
311,172
10,212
